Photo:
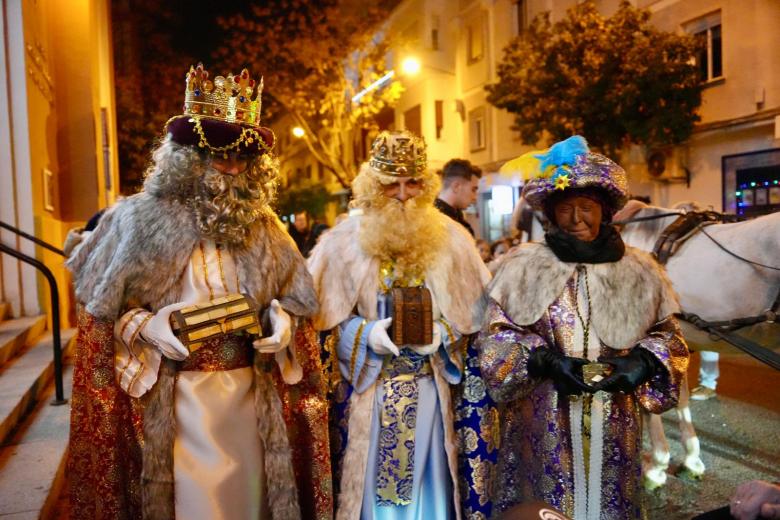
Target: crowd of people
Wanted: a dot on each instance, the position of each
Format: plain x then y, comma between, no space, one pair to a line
220,374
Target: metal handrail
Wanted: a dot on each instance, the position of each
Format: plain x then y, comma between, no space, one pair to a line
54,293
37,240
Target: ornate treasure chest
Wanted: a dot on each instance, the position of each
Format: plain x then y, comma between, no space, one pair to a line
231,314
412,316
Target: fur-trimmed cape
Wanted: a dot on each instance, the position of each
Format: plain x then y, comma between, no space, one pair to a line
532,277
347,278
142,246
136,257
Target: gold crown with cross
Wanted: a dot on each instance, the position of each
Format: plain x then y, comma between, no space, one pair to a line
399,153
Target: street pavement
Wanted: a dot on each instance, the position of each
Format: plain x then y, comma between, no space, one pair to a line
739,433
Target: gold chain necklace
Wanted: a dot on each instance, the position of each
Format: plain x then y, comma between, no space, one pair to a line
582,272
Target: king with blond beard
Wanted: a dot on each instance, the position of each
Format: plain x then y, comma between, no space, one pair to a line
395,444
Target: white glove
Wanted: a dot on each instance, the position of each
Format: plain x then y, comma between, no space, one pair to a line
281,324
425,350
379,341
158,332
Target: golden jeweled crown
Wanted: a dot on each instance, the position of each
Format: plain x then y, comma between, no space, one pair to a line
228,98
401,154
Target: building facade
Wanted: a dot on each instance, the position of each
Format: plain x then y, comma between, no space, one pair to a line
58,163
459,43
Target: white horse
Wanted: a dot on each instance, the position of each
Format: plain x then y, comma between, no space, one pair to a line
712,284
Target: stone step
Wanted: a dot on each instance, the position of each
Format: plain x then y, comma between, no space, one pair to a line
24,377
19,333
5,310
32,462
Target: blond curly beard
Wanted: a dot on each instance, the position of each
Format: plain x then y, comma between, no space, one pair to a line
410,234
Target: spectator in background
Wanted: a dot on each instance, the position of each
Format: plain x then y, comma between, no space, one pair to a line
304,232
498,250
484,250
500,247
461,182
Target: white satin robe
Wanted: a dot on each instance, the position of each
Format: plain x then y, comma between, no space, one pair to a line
217,453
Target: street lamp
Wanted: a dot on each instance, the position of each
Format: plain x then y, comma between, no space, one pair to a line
411,66
298,132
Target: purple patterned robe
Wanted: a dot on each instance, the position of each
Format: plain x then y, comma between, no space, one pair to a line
535,459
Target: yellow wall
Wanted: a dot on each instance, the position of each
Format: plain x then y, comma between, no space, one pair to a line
69,51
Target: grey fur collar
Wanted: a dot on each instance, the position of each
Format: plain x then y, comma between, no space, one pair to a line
627,296
346,277
141,248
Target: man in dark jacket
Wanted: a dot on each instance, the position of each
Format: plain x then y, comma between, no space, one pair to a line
461,182
304,232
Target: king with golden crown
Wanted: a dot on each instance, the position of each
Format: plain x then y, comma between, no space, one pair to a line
197,389
396,283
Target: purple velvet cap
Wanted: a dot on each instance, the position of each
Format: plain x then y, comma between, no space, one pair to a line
242,138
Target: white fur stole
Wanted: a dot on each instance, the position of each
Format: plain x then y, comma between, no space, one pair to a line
627,296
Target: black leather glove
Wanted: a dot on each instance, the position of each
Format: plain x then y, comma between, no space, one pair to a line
565,371
629,371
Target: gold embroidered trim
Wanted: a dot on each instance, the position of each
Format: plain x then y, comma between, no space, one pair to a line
355,345
136,312
205,270
330,368
138,330
132,355
450,334
221,270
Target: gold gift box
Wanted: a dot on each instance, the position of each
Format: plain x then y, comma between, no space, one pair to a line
201,322
595,372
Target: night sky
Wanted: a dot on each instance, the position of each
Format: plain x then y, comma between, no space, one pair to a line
198,17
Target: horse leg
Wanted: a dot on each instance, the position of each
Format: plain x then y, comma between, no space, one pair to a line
693,465
655,466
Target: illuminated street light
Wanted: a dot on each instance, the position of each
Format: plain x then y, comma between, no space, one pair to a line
375,85
298,132
411,66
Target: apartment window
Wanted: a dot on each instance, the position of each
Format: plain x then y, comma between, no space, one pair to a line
435,33
308,172
477,129
475,41
439,117
385,119
707,30
520,16
412,120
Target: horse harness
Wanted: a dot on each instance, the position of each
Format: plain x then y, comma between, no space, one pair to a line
684,227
